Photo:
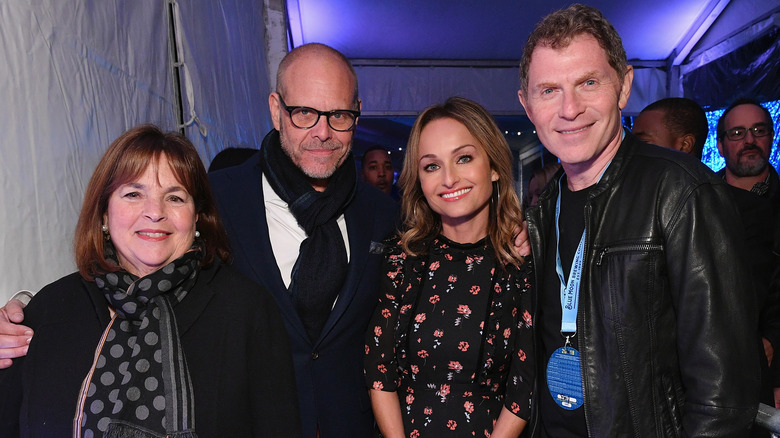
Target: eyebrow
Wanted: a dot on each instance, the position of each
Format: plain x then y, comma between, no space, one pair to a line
454,152
137,185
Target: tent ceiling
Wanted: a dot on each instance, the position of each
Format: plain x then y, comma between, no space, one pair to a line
495,30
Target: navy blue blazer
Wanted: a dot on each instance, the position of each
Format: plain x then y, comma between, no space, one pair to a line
329,372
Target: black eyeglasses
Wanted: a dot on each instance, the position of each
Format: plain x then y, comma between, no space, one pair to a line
739,133
304,117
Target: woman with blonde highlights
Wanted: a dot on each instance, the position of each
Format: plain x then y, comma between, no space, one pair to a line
449,349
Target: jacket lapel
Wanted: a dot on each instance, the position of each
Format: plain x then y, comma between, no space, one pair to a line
359,227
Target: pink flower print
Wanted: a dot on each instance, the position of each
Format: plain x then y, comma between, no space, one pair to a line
415,434
420,317
515,408
527,318
469,406
448,256
455,365
377,331
434,299
474,290
497,288
405,308
386,313
423,353
444,390
409,399
378,386
381,368
415,369
463,346
507,332
438,333
434,266
367,349
452,424
428,410
464,310
521,355
452,278
392,274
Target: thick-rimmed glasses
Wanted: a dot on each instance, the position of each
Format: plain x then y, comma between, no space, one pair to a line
738,133
304,117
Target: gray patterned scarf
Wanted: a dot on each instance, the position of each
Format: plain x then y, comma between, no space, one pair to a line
139,385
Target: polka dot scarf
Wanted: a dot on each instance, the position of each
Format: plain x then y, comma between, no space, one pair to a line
139,385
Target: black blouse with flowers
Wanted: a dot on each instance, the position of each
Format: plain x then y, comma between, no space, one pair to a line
452,335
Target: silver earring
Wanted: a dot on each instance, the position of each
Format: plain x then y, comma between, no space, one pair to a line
197,233
104,228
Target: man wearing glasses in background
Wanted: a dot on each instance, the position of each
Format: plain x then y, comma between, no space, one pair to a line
745,135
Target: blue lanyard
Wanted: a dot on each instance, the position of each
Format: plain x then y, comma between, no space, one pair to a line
570,291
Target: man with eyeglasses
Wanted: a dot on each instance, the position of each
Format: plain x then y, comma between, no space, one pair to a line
302,225
745,134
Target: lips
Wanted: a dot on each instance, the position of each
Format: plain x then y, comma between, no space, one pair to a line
454,195
574,131
153,234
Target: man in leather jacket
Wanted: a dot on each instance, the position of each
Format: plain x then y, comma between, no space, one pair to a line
645,323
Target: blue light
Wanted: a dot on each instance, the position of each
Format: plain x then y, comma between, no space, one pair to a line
710,155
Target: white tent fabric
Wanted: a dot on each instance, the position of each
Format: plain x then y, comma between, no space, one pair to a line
76,74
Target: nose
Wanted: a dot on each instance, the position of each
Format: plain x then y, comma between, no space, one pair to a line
450,177
321,130
571,105
154,210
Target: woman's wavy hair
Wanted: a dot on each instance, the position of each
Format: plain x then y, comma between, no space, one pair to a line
420,222
126,159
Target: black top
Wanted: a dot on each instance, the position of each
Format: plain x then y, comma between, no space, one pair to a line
452,335
559,422
232,336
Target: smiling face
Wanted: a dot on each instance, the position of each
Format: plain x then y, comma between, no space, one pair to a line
151,220
321,81
574,98
749,156
456,178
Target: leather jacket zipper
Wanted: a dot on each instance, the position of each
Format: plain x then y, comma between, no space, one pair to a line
644,247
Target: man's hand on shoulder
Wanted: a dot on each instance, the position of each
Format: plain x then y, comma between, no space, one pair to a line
14,337
522,243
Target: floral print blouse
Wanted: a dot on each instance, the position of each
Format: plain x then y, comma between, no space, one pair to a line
452,335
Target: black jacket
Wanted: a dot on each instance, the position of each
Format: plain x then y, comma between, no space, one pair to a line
232,335
667,319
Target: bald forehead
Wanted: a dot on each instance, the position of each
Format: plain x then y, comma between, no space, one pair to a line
315,62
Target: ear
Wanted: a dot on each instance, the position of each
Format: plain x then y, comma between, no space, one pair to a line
720,147
625,89
686,143
521,96
274,105
494,175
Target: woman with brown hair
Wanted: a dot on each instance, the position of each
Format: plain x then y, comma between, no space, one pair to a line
448,350
155,331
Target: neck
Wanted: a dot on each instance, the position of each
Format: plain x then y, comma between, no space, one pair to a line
583,175
745,182
319,184
466,231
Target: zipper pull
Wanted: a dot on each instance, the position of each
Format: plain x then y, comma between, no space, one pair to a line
601,255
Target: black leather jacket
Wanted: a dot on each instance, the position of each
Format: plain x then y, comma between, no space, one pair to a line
667,322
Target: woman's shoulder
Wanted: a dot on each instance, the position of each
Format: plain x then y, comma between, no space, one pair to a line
61,297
